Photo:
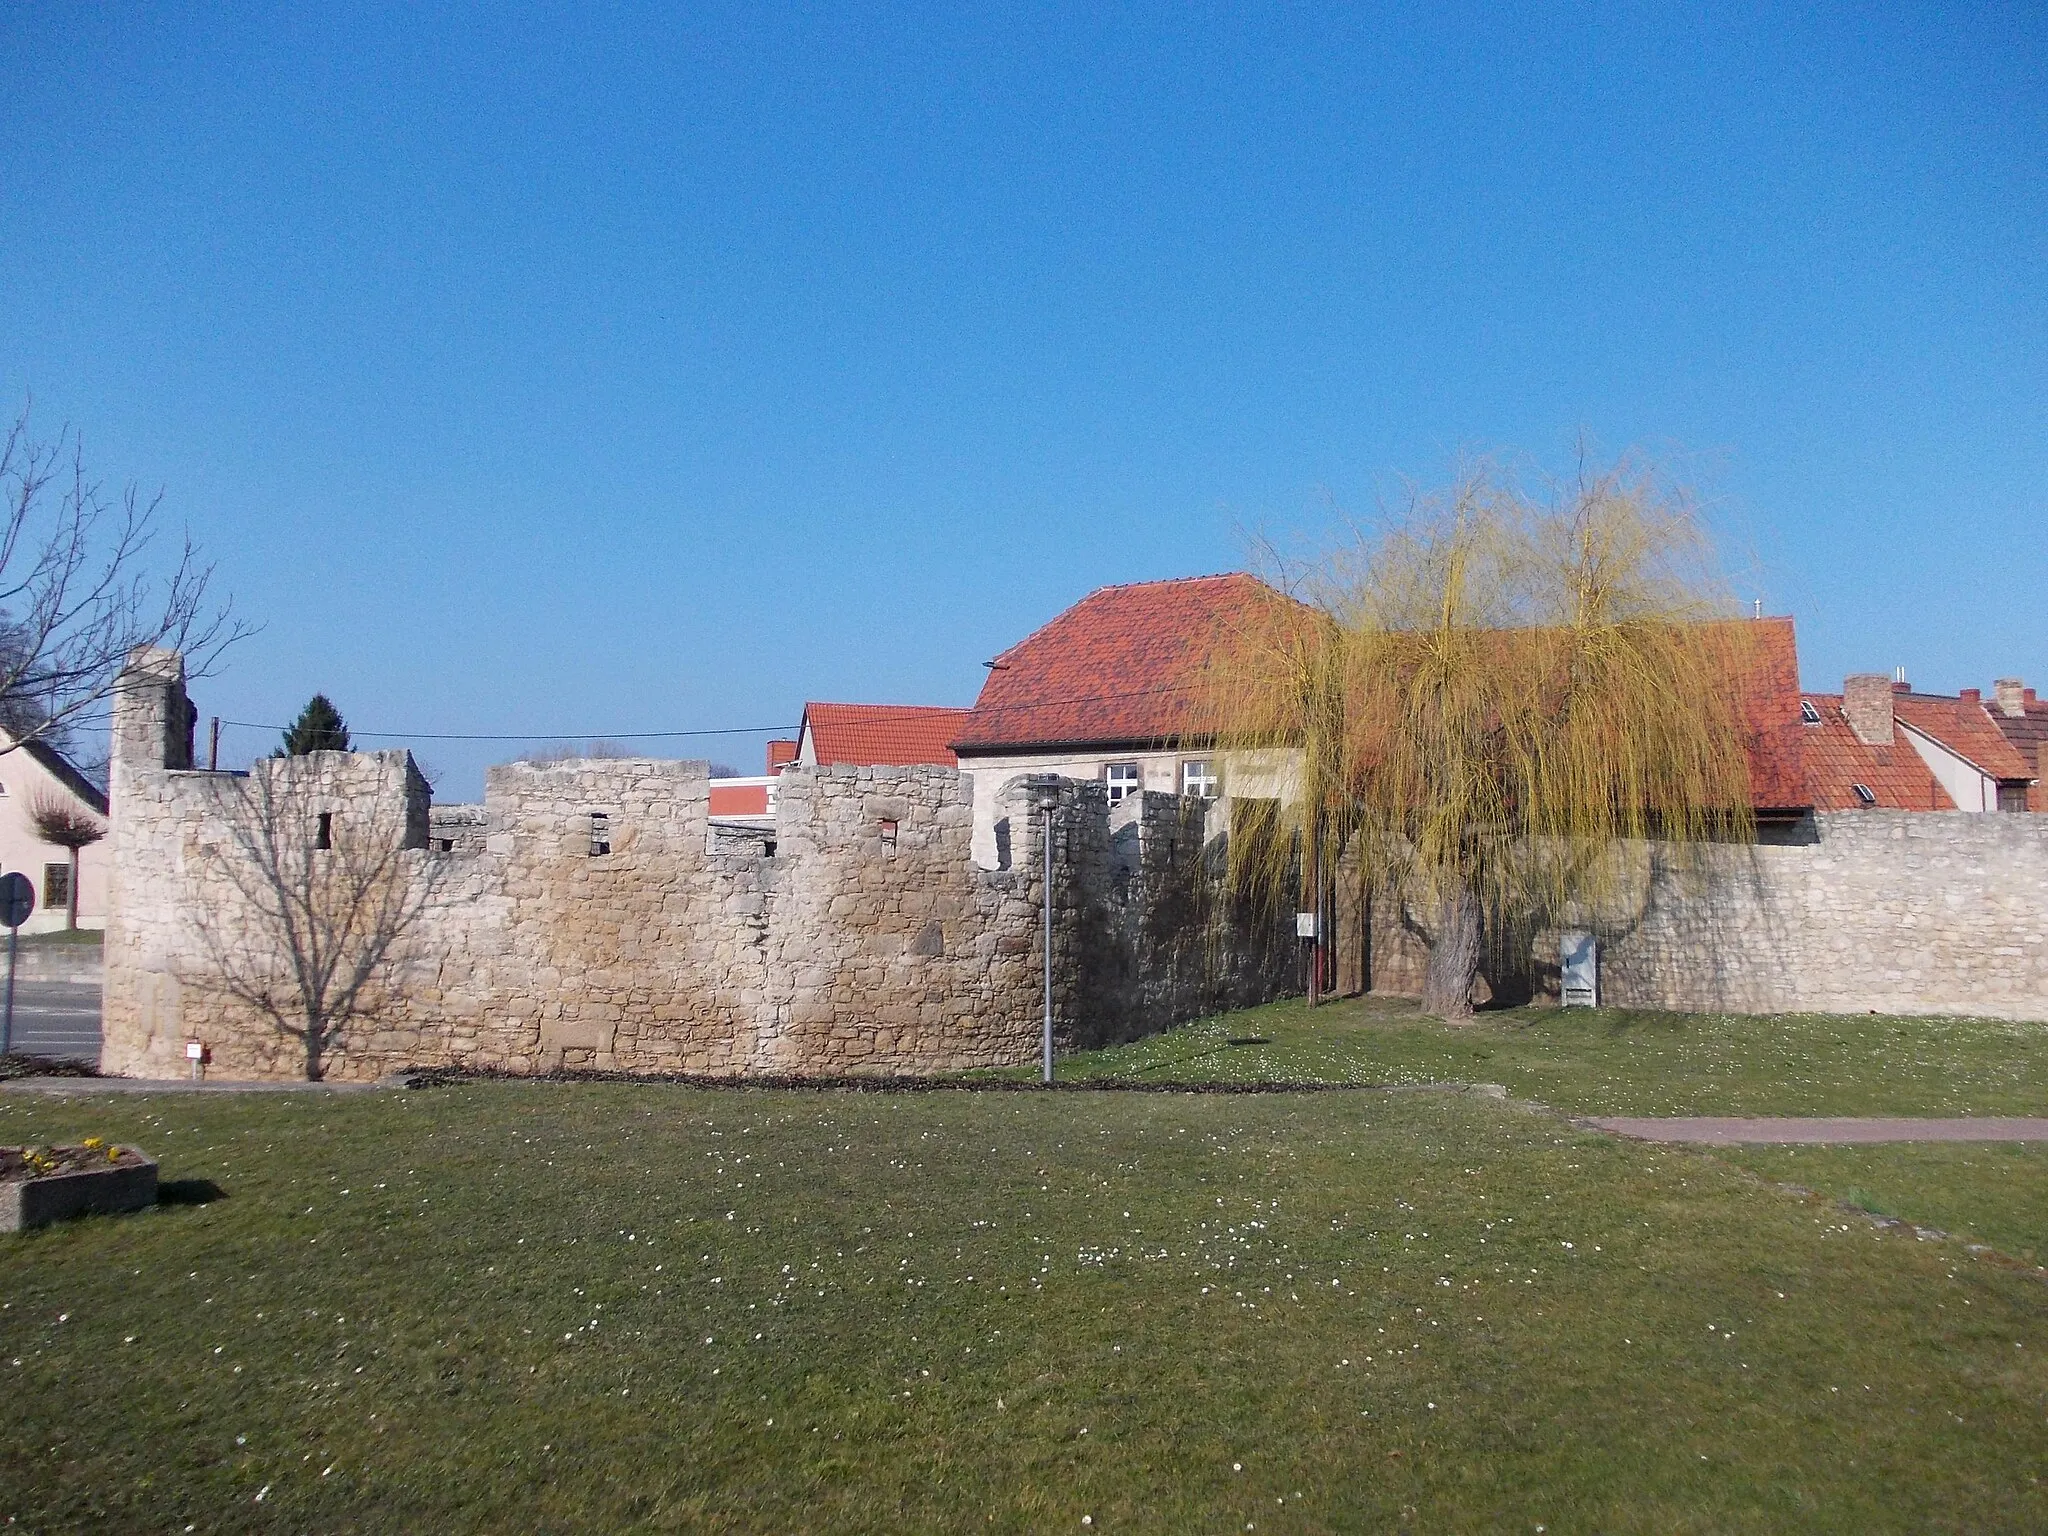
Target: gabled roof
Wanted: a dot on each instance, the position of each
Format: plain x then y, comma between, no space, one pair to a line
1966,728
1769,691
63,770
1122,667
891,735
1837,760
2028,732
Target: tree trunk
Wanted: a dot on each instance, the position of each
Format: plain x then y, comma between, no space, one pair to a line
71,907
1453,959
313,1044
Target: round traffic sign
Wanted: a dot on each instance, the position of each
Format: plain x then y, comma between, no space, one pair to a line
17,899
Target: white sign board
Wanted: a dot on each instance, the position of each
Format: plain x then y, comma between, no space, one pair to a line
194,1051
1304,925
1578,963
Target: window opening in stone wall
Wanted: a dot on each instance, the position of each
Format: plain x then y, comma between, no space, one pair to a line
1865,793
1122,779
600,834
444,845
1808,713
323,831
888,834
1198,777
56,885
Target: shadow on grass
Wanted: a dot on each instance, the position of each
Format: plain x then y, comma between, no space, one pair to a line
189,1192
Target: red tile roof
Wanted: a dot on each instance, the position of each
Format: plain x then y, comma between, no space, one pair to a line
738,799
781,753
2028,732
892,735
1966,728
1769,691
1121,667
1837,760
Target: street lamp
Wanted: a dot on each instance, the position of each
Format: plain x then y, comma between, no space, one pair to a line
1047,803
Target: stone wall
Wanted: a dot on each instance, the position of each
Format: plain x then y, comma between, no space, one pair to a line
1870,911
586,915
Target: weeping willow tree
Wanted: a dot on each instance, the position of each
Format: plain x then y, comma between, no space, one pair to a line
1481,697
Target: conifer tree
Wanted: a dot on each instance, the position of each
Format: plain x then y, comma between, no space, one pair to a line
319,728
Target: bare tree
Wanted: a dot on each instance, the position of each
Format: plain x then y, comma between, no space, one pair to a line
314,893
68,825
81,587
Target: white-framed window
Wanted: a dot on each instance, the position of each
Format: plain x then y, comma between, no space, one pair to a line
1122,779
1198,777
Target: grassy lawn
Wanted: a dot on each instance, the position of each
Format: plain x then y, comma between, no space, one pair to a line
611,1307
1989,1193
1613,1061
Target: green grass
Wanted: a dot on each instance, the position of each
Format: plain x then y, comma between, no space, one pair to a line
619,1307
1994,1193
1614,1061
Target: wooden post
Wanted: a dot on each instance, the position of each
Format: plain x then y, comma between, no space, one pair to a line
213,746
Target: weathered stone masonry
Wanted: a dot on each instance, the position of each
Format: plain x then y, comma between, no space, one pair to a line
1903,912
868,941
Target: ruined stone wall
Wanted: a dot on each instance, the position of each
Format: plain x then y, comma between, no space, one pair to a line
1876,911
586,916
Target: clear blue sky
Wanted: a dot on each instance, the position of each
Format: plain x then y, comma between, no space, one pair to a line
599,370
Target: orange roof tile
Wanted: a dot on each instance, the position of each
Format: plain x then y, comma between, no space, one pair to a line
1966,728
1837,760
1769,692
2028,732
738,799
893,735
1123,666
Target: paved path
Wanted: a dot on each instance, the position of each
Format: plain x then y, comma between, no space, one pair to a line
57,1018
1730,1131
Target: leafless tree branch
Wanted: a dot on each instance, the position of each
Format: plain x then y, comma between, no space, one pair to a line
82,584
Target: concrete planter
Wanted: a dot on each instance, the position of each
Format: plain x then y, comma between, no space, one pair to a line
129,1185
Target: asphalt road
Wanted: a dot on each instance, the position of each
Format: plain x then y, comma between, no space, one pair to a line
56,1018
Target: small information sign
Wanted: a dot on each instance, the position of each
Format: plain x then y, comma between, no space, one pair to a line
1578,963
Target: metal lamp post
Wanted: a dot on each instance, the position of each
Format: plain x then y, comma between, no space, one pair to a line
1048,804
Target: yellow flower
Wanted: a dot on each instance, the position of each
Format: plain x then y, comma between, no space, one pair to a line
93,1143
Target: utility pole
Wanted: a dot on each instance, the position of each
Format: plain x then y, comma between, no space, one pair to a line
1049,802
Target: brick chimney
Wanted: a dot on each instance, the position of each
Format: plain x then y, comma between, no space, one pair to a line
1867,701
2011,696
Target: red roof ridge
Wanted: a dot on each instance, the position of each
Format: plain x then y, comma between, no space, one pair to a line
948,709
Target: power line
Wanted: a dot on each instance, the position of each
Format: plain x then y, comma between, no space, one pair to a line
733,730
880,712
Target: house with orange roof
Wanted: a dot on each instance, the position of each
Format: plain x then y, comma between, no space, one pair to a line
1109,690
1972,763
1112,690
2023,719
836,735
